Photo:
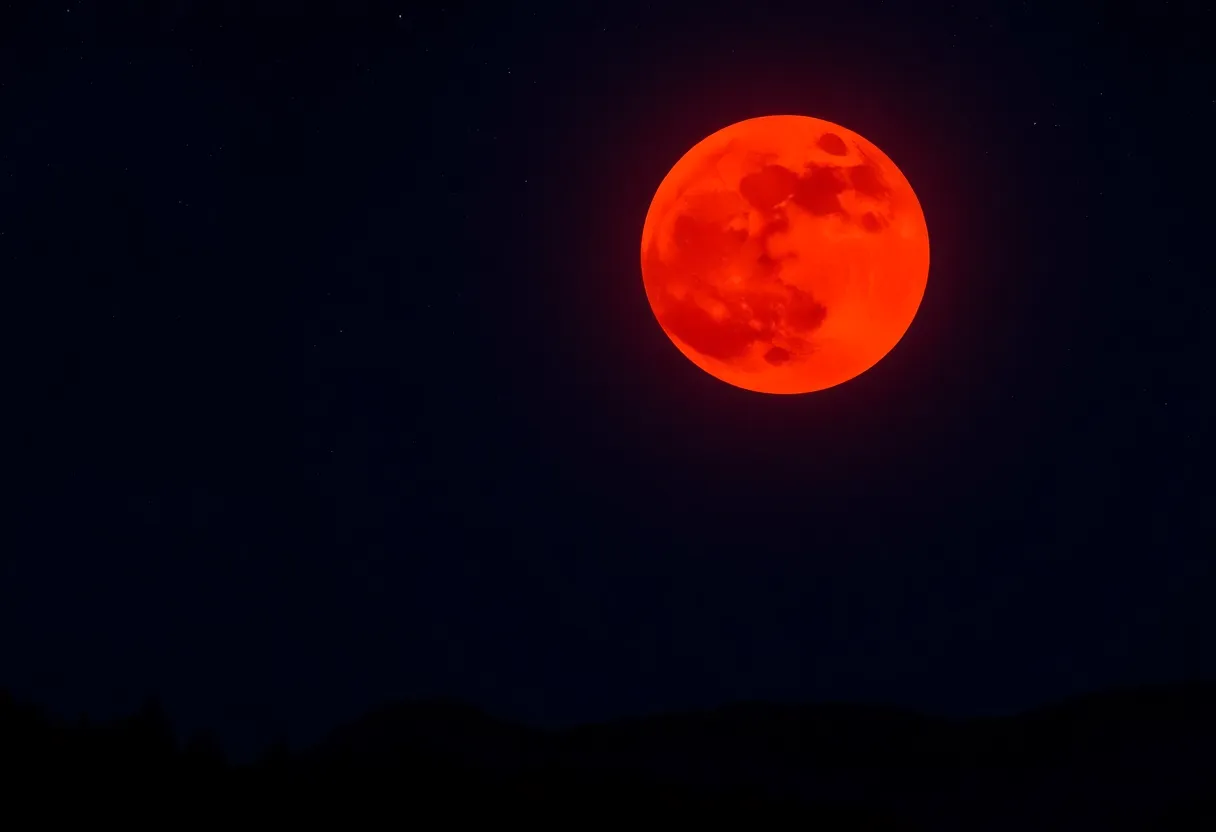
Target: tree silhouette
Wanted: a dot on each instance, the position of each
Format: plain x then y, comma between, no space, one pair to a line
744,765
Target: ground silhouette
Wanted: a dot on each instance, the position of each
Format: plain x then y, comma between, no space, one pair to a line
1123,760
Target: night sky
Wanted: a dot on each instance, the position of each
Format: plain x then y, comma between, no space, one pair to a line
332,380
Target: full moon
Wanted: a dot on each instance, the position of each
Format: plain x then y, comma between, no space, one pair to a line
785,254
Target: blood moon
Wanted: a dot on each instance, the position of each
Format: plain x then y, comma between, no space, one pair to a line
785,254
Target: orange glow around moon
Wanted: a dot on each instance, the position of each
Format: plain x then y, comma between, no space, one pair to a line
785,254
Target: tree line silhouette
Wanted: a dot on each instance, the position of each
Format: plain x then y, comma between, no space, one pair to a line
1136,759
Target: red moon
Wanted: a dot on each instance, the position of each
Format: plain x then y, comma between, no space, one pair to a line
785,254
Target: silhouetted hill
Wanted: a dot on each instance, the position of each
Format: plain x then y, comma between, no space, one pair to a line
1129,759
447,729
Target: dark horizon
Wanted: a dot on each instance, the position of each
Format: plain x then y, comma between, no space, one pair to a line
1134,759
456,711
335,383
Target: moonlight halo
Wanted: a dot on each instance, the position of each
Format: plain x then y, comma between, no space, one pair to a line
785,254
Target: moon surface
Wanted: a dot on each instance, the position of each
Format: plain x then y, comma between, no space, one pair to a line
785,254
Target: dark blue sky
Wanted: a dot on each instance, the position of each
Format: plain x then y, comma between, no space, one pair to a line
335,382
